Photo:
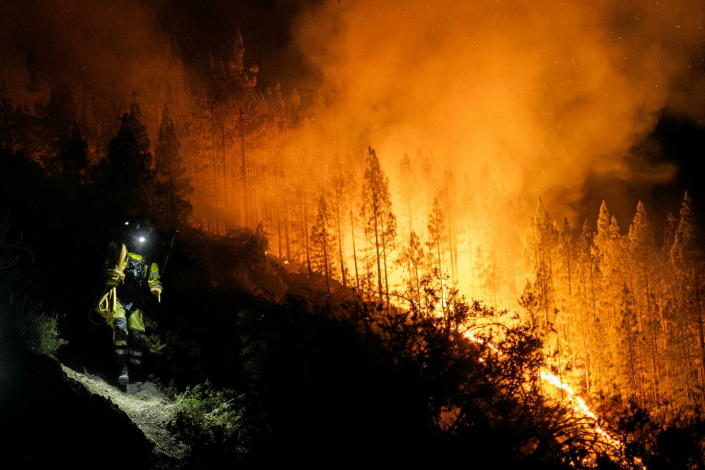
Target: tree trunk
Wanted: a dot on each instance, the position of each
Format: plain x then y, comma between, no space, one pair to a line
379,267
325,261
340,243
306,238
287,238
279,230
352,231
440,277
386,277
243,172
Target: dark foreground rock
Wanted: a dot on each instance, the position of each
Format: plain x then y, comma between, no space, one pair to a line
50,421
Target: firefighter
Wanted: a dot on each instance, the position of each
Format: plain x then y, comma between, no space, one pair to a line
130,276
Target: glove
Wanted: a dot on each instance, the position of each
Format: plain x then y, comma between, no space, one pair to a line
157,292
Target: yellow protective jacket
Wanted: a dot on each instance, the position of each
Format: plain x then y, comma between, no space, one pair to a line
119,259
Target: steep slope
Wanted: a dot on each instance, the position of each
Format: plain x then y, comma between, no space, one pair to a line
49,420
146,406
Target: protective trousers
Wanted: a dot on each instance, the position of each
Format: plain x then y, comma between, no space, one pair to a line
128,335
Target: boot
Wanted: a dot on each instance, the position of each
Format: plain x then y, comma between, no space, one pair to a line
137,375
120,337
124,377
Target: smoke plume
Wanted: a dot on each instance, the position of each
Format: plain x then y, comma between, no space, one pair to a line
526,98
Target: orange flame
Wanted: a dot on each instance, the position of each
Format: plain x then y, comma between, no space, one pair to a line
577,404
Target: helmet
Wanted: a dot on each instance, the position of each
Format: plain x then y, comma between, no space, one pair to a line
138,234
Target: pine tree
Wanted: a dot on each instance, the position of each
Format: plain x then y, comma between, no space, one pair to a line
640,230
641,261
485,269
630,373
609,282
323,242
125,175
413,257
668,316
685,263
380,222
586,287
408,177
542,240
607,242
669,234
449,199
354,249
683,238
437,237
341,192
564,280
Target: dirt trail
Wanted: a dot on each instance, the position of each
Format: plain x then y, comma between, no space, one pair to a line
147,406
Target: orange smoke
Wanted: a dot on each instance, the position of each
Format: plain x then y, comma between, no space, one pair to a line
531,97
496,103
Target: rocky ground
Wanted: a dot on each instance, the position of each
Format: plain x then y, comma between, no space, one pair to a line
147,406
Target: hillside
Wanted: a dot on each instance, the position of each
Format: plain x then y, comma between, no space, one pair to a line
253,364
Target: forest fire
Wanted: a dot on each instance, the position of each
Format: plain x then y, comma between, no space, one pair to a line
579,405
569,396
406,154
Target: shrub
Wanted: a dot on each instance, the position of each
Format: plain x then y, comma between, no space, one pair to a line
41,332
208,417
